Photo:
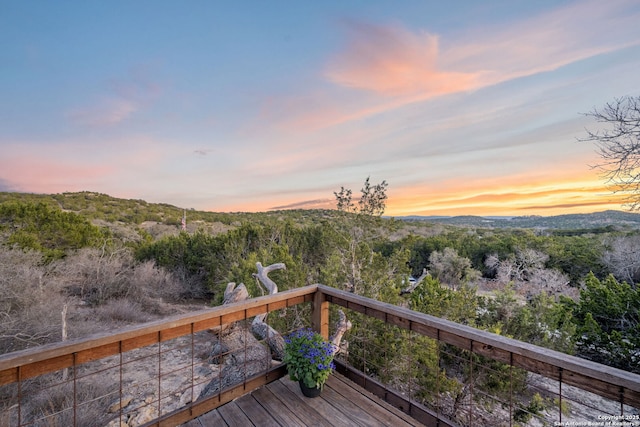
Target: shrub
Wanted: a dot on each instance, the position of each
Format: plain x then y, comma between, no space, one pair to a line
30,301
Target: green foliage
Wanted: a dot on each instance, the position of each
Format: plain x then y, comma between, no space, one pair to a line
541,320
398,357
608,323
451,269
48,229
92,205
423,365
359,269
217,260
575,256
432,298
545,322
343,200
535,407
373,199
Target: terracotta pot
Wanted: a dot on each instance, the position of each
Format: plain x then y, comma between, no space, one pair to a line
309,392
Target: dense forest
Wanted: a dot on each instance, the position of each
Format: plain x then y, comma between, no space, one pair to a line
114,261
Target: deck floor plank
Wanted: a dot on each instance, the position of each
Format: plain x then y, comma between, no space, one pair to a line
274,406
234,416
193,423
306,413
358,411
211,418
281,403
384,411
256,412
321,405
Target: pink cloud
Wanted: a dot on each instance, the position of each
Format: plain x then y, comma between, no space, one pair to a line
308,204
545,42
385,67
49,175
106,113
58,166
126,96
393,61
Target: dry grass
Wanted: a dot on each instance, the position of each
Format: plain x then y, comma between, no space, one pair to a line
101,290
30,301
122,310
53,405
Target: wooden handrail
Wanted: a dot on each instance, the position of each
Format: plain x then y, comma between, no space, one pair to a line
612,383
606,381
52,357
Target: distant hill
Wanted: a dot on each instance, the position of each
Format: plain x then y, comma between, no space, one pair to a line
97,206
598,221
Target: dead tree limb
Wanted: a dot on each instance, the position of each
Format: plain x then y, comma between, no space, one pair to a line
259,327
413,286
235,294
263,276
239,353
342,326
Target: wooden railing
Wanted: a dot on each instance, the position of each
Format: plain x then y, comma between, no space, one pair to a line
16,369
611,383
68,363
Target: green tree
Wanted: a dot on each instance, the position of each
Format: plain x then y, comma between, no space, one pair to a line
545,322
541,320
608,323
430,297
452,269
373,199
48,229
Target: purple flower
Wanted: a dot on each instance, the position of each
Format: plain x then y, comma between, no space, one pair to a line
308,357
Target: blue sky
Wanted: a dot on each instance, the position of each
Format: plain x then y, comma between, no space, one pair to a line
462,107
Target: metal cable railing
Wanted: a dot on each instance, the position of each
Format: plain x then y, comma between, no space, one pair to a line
439,372
153,374
451,374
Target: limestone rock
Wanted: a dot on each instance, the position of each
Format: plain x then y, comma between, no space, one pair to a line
117,423
120,403
143,416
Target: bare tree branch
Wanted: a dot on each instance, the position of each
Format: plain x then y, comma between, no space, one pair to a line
415,284
618,144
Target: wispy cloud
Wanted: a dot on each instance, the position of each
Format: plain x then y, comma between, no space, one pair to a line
106,112
124,98
545,42
385,67
517,196
308,204
393,61
57,166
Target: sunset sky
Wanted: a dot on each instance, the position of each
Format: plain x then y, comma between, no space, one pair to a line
463,107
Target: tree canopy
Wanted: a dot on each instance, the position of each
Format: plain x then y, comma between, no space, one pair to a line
372,201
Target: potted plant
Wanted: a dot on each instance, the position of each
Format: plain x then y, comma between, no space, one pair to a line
309,359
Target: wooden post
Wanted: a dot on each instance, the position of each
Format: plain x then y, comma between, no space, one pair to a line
320,314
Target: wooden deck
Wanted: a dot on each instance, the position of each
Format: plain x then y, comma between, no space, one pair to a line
281,403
